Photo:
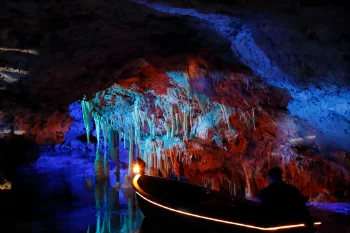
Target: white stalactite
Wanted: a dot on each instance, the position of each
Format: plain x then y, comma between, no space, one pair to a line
97,120
98,165
105,165
131,151
86,109
104,128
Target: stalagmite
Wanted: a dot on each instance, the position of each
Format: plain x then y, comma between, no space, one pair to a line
177,123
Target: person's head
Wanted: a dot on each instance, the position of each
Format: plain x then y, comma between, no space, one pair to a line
275,174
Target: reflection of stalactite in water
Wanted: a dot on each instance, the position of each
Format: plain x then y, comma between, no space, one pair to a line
129,196
108,204
98,227
114,205
101,197
131,202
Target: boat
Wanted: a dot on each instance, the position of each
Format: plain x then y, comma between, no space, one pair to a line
184,204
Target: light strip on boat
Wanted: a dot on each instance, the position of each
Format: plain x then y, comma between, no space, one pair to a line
220,220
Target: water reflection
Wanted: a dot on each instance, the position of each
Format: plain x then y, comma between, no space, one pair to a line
58,194
112,215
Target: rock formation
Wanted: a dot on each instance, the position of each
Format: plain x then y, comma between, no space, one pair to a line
217,91
216,123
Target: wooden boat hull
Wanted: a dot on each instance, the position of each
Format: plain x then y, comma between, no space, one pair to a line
177,204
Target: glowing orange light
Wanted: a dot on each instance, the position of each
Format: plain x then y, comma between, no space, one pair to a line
220,220
136,169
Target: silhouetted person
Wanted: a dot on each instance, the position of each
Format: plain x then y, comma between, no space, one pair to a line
284,201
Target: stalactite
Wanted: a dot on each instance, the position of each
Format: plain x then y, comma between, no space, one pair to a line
235,189
177,123
226,115
203,104
162,168
177,166
98,165
113,143
115,153
124,140
153,130
131,151
105,165
185,124
173,122
97,119
190,120
247,180
104,127
86,109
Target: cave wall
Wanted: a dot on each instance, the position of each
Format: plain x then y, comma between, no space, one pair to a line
217,124
53,53
290,47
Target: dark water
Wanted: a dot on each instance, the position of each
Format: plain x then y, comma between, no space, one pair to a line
50,196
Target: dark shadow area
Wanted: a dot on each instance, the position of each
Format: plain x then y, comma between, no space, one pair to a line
17,150
83,138
296,31
33,203
76,51
69,49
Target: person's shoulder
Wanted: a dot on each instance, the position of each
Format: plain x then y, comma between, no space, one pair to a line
265,191
296,192
292,188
